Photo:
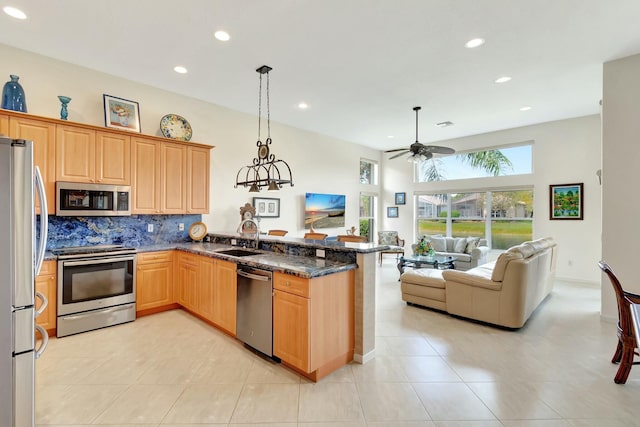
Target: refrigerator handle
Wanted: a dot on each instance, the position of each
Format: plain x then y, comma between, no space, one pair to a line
45,303
45,341
44,220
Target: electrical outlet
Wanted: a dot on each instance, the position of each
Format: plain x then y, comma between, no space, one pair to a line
320,253
149,228
234,242
181,227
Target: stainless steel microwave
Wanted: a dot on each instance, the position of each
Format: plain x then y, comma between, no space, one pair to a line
80,199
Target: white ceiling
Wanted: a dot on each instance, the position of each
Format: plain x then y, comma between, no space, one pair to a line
361,65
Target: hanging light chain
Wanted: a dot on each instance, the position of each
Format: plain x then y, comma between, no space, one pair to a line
268,108
260,106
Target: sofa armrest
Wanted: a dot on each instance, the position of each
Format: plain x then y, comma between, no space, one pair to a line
478,278
400,242
480,252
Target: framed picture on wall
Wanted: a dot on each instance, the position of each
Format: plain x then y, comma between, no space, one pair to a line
266,207
566,201
392,212
400,198
121,113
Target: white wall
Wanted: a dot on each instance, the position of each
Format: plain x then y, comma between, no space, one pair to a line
319,163
620,173
566,151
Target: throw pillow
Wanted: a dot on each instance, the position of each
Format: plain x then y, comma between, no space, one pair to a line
439,244
459,244
472,243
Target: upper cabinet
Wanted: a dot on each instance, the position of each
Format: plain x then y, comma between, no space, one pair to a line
43,135
86,155
4,125
169,178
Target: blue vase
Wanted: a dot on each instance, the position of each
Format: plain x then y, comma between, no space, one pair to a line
64,100
13,95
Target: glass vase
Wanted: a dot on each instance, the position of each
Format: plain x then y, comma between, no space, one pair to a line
64,100
13,95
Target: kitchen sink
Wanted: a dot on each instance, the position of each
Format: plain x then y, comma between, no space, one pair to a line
238,252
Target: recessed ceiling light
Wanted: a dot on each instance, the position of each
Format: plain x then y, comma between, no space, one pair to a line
527,108
223,36
474,43
180,69
14,13
503,79
390,136
444,124
303,105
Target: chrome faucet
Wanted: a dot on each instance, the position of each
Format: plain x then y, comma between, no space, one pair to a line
241,231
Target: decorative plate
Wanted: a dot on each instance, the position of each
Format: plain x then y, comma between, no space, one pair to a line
175,127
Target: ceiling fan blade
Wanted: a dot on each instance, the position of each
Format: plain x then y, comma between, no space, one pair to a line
395,150
405,151
437,149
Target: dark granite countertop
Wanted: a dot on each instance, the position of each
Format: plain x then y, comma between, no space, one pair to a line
306,267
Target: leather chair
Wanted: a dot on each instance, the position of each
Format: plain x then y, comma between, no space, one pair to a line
391,239
351,238
627,326
277,232
315,236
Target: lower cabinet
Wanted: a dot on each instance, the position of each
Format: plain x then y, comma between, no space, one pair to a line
225,295
187,280
46,284
313,322
154,280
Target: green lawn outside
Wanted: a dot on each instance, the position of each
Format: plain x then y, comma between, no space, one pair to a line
505,233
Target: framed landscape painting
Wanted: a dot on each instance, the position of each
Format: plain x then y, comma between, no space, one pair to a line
566,201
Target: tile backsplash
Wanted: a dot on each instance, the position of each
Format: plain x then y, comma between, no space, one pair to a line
127,230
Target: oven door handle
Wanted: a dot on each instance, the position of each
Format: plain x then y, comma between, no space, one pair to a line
105,311
94,261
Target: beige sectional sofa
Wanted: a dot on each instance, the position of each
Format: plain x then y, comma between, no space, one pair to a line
504,292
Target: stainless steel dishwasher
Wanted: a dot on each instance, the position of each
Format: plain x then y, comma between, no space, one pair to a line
254,318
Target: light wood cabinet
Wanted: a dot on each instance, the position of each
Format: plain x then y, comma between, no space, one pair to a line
161,176
46,284
205,288
313,322
187,283
84,155
43,135
225,295
4,125
154,280
198,160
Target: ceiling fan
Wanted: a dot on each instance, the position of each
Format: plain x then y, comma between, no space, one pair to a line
418,150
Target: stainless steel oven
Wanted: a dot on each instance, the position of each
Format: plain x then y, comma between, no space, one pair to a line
96,288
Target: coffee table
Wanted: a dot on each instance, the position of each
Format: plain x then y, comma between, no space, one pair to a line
439,262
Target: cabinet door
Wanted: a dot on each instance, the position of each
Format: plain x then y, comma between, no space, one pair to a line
205,294
188,281
75,154
174,179
4,125
43,135
154,285
198,180
291,329
225,295
113,158
145,171
45,283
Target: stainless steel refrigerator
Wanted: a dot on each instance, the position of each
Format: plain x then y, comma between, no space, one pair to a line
21,257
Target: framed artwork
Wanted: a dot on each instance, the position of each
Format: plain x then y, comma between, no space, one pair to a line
121,113
400,198
392,212
566,201
266,207
324,210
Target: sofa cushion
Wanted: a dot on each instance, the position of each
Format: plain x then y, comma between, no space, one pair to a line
471,244
524,249
459,244
439,244
502,262
424,276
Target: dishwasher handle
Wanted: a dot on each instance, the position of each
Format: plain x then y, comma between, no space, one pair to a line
253,276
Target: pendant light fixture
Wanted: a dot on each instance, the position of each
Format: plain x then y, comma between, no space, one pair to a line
265,170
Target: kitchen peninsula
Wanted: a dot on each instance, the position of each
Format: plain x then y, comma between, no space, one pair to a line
323,307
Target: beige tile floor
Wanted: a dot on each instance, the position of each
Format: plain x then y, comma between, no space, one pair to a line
431,369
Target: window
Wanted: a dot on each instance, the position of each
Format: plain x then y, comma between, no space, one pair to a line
367,215
368,172
504,218
478,164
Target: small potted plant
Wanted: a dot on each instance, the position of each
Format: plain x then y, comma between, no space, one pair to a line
423,247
